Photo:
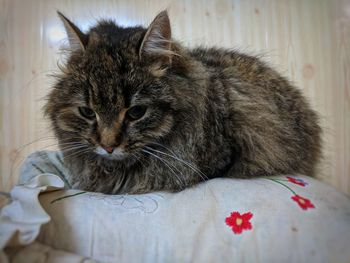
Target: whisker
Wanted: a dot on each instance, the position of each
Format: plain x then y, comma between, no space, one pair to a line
67,149
206,177
30,143
138,158
163,160
20,148
201,174
65,146
72,148
166,148
167,165
76,154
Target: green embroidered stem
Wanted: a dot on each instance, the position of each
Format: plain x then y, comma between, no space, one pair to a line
66,196
276,181
282,180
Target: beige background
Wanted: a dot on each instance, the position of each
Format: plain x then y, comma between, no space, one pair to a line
306,40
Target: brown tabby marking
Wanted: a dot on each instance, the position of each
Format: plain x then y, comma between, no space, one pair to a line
135,112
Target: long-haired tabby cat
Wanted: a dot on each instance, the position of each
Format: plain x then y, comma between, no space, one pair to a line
134,111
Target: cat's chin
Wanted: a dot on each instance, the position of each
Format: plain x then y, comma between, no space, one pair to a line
116,155
113,157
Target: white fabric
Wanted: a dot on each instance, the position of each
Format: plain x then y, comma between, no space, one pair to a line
24,215
40,253
184,227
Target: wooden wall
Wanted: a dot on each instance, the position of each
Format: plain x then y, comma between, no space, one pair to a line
306,40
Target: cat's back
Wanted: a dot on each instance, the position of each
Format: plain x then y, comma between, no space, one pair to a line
264,109
250,76
234,64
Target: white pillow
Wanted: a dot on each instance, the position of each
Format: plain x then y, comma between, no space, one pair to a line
279,219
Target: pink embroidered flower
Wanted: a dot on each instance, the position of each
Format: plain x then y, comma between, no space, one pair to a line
304,203
239,222
296,181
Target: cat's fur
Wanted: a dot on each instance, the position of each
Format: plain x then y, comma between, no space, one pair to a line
211,112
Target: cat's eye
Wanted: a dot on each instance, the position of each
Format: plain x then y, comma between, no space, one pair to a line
87,112
136,112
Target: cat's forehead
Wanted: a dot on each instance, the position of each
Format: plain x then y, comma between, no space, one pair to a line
102,64
111,66
111,49
113,77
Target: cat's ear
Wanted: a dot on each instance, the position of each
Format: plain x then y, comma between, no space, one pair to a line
77,39
157,40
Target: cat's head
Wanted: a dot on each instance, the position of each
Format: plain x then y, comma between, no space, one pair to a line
114,95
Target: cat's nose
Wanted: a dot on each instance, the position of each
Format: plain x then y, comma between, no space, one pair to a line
108,149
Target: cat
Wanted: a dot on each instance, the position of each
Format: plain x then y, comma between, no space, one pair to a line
134,111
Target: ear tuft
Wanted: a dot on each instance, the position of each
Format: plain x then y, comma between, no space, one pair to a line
77,39
157,40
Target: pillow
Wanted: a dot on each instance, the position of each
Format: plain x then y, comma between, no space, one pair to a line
287,218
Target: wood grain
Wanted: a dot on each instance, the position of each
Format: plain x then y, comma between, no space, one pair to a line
307,41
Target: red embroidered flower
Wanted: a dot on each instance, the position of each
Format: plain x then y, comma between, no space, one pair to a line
304,203
239,222
296,181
